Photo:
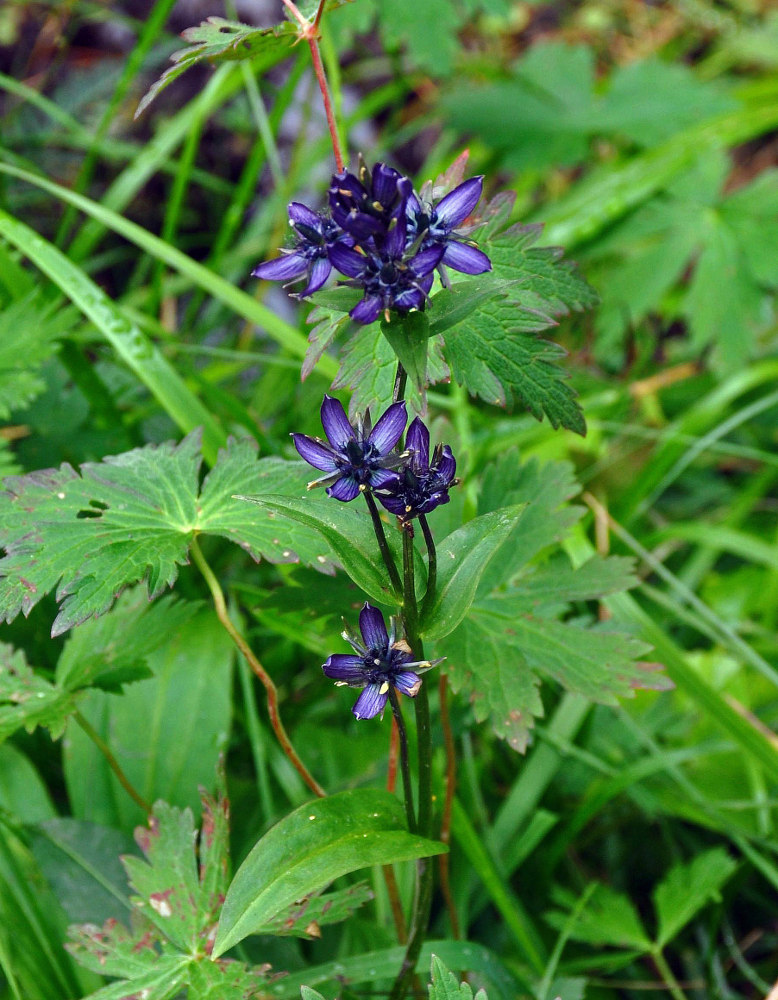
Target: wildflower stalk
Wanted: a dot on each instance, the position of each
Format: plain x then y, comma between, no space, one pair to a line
383,545
220,606
432,565
310,32
400,380
448,802
404,765
112,762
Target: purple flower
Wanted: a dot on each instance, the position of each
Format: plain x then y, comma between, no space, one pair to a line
308,257
382,661
422,485
391,277
440,225
354,458
369,206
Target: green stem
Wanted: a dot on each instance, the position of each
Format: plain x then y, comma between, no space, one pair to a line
673,987
404,765
378,528
220,606
432,566
113,763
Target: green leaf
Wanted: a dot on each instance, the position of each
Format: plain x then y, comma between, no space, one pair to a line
22,791
309,848
180,887
451,306
29,333
349,534
686,888
131,517
131,345
304,917
444,984
80,861
26,699
185,708
408,338
462,557
608,919
493,353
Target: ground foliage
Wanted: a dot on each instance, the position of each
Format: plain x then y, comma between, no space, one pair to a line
607,584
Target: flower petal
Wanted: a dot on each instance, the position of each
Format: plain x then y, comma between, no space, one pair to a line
446,465
345,667
385,184
346,260
388,431
301,213
394,504
319,273
382,477
315,453
418,441
371,701
335,423
459,203
427,260
408,683
284,268
411,298
373,629
467,259
345,489
367,310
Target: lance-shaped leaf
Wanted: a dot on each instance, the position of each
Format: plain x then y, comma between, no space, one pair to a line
349,534
462,558
309,848
132,517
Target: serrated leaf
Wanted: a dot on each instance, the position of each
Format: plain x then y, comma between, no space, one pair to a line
445,986
99,655
131,517
167,946
608,919
311,847
349,534
26,699
686,888
29,333
451,306
304,917
462,557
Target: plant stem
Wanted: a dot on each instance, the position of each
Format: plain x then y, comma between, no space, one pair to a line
378,528
272,692
404,766
113,763
310,32
445,823
673,987
432,566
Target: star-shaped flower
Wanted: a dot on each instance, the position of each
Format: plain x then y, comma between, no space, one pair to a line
354,458
423,483
380,661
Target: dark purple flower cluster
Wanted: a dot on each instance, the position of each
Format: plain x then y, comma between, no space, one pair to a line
360,457
383,237
380,661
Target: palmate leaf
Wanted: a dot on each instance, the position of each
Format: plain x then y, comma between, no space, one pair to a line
493,351
218,39
304,917
179,891
445,985
29,335
132,517
97,655
516,634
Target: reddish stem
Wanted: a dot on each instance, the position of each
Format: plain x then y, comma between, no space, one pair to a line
310,32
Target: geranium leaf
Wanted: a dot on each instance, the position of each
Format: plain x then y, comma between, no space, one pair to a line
446,986
132,517
304,917
311,847
686,888
27,699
